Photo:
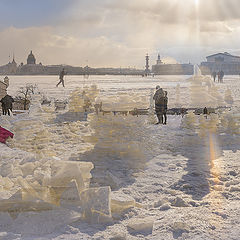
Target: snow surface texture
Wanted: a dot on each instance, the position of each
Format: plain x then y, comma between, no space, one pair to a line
179,181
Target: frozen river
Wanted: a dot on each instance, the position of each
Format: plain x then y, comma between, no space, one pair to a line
183,178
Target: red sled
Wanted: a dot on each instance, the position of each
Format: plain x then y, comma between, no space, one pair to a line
4,134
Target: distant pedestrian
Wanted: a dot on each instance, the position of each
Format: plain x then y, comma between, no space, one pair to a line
214,74
7,106
205,112
159,104
221,76
61,75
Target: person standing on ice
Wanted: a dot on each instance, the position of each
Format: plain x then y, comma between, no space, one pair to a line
7,104
61,75
159,103
165,102
221,76
214,74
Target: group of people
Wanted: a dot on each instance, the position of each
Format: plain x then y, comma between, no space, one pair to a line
219,74
7,104
161,102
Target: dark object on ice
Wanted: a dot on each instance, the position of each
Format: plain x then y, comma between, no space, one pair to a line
137,112
233,173
199,111
98,107
46,102
60,105
71,117
7,102
205,111
4,134
61,75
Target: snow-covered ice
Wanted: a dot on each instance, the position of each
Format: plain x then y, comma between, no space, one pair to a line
122,177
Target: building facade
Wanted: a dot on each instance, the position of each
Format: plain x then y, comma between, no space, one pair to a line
31,59
161,68
9,69
226,62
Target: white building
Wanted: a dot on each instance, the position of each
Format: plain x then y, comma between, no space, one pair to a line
230,64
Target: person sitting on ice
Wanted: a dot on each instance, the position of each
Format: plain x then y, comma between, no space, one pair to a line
7,104
159,103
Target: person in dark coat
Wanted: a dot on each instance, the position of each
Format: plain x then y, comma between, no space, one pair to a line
61,75
7,104
165,102
3,107
214,74
159,103
221,76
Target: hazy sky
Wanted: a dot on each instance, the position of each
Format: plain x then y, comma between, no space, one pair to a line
118,32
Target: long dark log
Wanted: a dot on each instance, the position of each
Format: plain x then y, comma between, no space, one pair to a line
170,111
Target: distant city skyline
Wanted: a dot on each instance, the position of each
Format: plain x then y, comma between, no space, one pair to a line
114,33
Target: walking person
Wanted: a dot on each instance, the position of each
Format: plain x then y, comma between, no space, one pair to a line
61,75
159,103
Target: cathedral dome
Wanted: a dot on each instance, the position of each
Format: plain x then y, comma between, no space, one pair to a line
31,59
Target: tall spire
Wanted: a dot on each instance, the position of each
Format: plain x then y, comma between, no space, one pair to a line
159,61
13,61
147,70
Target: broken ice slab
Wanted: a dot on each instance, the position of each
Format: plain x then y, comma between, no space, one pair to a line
95,203
16,206
121,202
63,172
56,182
141,225
6,183
70,198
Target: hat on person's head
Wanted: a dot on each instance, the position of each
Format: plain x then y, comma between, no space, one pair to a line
157,87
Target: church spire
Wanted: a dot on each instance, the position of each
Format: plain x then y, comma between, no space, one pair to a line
159,61
13,61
